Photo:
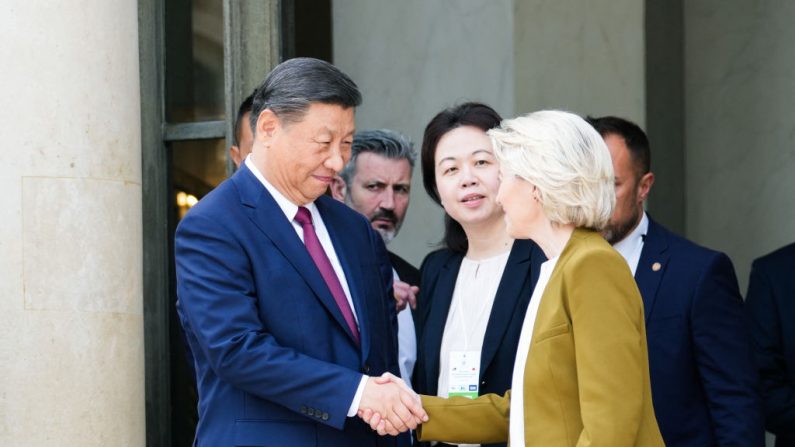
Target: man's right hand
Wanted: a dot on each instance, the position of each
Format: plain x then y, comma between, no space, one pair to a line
397,406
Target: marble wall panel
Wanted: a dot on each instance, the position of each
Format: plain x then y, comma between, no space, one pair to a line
585,57
740,136
411,59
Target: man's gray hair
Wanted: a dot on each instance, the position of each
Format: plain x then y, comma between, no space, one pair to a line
384,142
291,87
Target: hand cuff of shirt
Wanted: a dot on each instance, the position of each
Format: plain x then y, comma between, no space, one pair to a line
357,398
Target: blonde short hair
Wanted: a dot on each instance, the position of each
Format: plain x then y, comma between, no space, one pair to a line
565,159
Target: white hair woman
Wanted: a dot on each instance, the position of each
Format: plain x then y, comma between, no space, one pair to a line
581,374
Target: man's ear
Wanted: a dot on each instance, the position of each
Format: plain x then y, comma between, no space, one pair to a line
234,154
644,185
267,123
338,188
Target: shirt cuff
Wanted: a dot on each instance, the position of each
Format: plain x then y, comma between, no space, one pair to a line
357,398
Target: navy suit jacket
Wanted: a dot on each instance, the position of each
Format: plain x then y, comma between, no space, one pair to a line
276,364
439,273
704,385
771,306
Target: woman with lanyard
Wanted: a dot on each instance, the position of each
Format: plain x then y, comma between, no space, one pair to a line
581,376
476,289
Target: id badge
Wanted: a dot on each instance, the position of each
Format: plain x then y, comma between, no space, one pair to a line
464,374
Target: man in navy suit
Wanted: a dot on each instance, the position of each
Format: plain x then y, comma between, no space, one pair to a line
771,306
704,385
284,294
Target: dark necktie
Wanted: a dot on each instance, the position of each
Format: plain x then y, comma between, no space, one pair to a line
304,218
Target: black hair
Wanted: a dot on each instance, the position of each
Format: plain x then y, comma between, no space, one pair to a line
468,114
636,140
291,87
384,142
245,107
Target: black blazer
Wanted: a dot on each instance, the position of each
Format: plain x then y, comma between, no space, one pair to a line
771,307
407,272
439,272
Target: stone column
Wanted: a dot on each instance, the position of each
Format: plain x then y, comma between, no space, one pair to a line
71,313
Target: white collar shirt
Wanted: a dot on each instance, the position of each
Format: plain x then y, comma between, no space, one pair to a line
631,246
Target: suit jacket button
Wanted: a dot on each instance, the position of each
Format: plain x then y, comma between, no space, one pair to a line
483,383
366,369
325,416
311,412
303,409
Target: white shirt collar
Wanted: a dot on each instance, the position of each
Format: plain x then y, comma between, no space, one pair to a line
631,246
289,208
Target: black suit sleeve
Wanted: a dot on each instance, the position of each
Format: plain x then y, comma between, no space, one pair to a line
387,280
778,392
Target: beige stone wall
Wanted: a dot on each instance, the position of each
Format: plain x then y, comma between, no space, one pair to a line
71,312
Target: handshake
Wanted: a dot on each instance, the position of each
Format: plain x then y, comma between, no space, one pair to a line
389,406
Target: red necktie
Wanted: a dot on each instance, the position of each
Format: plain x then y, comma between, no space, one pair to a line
304,217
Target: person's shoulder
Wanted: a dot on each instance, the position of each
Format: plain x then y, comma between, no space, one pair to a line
330,207
691,263
683,247
587,249
434,260
784,256
400,263
526,247
215,205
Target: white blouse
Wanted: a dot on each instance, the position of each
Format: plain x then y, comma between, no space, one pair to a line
473,297
516,420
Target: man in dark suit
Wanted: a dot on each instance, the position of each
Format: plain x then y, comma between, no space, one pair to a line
376,182
771,306
704,385
284,294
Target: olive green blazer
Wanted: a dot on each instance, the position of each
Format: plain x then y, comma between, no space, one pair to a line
586,381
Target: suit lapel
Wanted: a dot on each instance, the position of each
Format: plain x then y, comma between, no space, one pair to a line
651,266
269,218
353,273
517,269
437,317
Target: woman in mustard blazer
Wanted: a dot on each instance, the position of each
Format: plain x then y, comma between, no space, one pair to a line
581,376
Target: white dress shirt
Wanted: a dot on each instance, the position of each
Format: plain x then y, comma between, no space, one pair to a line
516,419
290,210
407,341
631,246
